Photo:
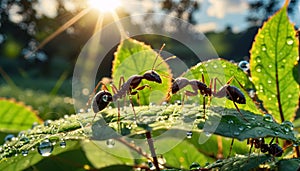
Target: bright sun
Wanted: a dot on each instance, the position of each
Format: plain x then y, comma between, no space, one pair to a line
104,5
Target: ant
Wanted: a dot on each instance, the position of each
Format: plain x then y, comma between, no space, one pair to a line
273,149
230,92
130,87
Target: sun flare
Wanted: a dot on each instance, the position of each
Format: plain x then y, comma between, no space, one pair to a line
105,5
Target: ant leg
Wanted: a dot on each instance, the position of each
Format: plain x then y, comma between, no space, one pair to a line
230,149
204,107
131,102
237,108
251,142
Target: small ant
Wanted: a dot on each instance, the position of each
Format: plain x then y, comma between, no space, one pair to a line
130,87
273,149
181,82
230,92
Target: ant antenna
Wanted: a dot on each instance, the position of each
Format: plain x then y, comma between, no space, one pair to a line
169,58
158,55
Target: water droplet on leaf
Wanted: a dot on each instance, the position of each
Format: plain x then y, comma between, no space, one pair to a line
195,166
287,126
110,143
45,148
241,128
47,122
244,65
230,121
258,68
189,134
263,47
63,144
34,125
289,40
258,59
24,152
268,118
236,133
9,138
24,140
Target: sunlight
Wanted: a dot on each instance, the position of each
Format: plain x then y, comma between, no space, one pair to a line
105,5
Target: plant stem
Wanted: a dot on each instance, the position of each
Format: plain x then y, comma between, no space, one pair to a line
152,150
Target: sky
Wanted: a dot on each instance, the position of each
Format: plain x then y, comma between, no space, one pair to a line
214,15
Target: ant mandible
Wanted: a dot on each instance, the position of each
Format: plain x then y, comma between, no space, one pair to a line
230,92
130,87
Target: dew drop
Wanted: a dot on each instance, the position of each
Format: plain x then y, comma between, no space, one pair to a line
263,47
236,133
289,96
34,125
9,137
269,81
230,121
151,165
270,66
267,126
45,148
251,93
189,134
195,166
259,132
208,134
47,122
258,68
241,128
63,144
244,65
287,126
289,40
178,102
24,152
110,143
258,59
268,118
276,132
24,140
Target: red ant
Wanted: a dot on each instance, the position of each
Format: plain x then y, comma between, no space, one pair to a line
273,149
130,87
230,92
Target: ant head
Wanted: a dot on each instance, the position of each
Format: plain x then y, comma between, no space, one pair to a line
101,100
152,76
175,86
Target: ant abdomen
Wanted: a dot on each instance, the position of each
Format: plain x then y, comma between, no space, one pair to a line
234,94
101,100
275,150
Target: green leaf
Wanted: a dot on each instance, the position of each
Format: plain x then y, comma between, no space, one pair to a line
15,116
183,154
240,162
96,151
293,164
134,58
223,70
273,57
221,121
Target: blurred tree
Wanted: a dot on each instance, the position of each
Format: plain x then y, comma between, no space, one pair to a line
259,10
183,9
